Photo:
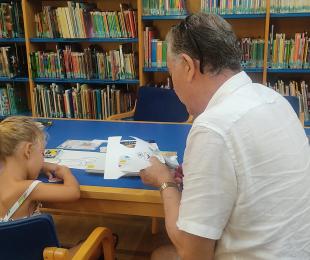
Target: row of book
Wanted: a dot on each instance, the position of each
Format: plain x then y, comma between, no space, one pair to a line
293,88
164,7
155,50
90,63
13,61
233,6
12,100
289,53
254,6
289,6
81,101
11,20
252,52
82,20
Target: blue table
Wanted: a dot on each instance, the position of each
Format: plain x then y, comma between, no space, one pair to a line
126,195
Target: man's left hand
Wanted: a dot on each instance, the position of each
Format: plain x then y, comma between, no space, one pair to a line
156,174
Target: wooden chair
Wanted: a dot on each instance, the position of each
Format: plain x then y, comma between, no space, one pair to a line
35,238
157,105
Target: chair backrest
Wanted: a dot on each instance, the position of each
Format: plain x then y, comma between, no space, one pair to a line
294,101
26,238
159,105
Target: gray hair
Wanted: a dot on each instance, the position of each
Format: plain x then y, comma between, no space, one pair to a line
207,38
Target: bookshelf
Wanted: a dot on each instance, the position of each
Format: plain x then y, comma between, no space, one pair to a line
14,82
252,25
162,24
290,23
102,42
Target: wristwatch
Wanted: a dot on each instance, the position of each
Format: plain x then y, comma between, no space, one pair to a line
168,184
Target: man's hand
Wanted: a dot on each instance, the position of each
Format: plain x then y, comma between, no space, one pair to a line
156,174
178,175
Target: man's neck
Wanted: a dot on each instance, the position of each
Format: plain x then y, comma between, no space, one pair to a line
206,86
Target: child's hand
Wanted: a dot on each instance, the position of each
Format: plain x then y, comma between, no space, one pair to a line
49,169
61,171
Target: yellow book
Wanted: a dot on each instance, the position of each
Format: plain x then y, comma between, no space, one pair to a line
67,21
64,22
58,15
281,48
159,54
118,101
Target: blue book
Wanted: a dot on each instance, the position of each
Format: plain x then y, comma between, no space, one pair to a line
99,104
154,52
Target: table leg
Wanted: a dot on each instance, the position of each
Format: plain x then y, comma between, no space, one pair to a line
154,226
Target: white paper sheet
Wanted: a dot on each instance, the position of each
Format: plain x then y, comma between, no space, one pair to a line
80,160
81,144
122,160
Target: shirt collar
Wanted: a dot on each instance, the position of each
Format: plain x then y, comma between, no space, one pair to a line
228,87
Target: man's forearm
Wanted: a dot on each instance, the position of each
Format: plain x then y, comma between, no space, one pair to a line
171,199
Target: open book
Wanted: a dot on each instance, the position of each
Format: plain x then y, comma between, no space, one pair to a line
119,158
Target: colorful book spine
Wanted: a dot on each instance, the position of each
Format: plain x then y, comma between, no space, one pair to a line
252,52
79,20
12,61
164,7
155,50
12,99
11,21
233,6
89,64
291,53
289,6
81,101
293,88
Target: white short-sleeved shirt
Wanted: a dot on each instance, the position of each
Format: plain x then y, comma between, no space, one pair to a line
247,175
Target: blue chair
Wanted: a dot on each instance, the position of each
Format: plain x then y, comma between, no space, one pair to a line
294,102
35,237
157,105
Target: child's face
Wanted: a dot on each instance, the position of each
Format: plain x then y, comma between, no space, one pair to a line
36,160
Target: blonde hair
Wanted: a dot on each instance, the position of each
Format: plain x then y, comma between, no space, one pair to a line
17,129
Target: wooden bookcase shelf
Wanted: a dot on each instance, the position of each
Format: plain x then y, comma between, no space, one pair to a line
289,15
245,25
12,40
85,81
79,40
289,71
162,17
14,79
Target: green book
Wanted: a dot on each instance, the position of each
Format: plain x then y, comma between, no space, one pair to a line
164,54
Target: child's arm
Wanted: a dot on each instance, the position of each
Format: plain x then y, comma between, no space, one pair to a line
68,191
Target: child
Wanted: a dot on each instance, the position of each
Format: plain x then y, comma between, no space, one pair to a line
22,145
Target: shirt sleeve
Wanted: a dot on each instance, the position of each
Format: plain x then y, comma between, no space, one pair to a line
210,185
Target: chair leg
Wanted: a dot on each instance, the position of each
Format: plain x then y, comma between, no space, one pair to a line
55,253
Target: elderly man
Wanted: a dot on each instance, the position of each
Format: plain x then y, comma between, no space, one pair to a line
246,165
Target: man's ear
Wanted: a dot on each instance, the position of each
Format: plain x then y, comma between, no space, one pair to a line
189,67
